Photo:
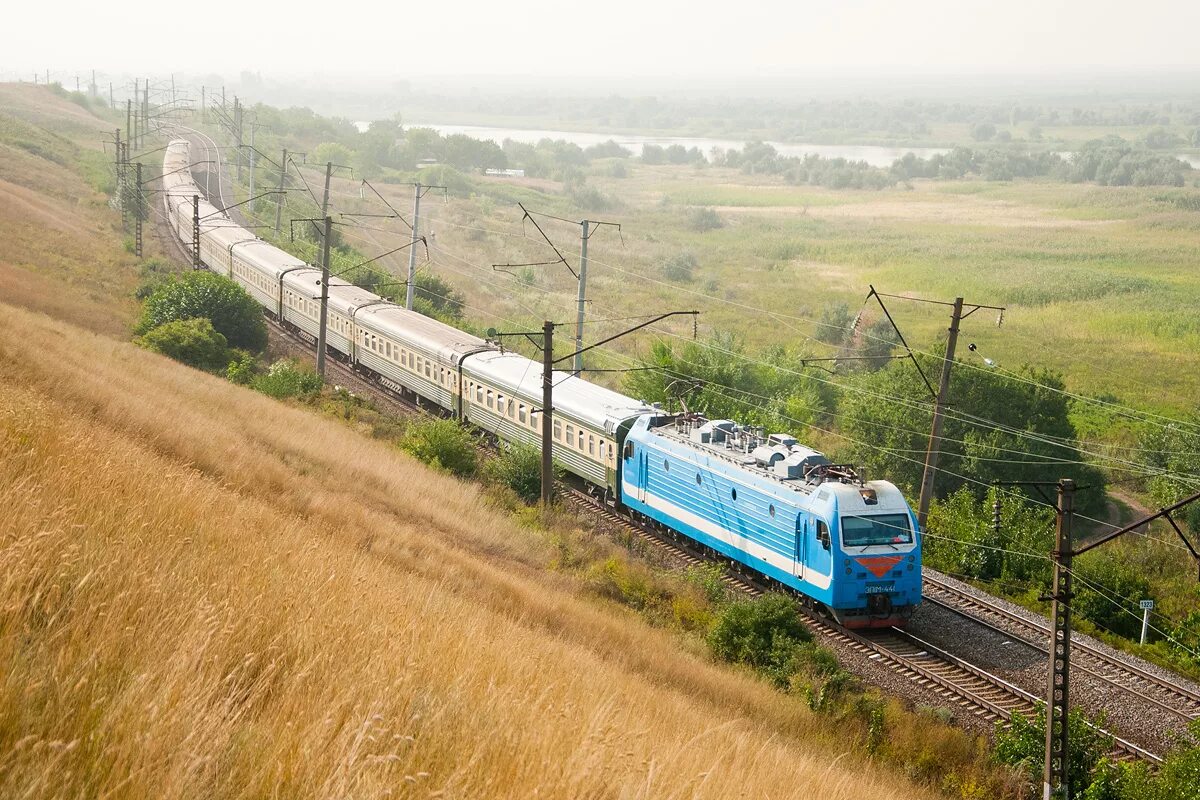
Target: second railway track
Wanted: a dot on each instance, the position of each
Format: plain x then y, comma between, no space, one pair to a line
1143,685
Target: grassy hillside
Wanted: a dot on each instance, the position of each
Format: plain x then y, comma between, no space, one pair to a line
207,593
56,230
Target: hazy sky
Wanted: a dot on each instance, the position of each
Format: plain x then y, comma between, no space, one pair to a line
618,37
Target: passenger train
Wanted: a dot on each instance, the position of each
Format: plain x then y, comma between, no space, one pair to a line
850,546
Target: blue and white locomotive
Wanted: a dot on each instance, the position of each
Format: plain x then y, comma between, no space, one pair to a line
766,502
781,509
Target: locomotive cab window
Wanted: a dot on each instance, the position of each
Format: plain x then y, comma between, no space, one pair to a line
823,533
628,454
877,529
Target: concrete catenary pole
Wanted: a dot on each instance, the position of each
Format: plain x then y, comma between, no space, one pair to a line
324,298
412,249
935,434
581,298
279,197
547,413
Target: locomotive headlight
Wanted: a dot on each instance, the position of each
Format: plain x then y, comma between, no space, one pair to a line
910,567
847,562
849,571
911,558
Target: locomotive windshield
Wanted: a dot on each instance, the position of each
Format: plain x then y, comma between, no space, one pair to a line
876,530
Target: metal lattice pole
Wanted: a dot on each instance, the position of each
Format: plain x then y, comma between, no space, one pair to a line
1056,773
137,212
196,232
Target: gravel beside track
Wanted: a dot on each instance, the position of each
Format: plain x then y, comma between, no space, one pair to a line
1013,651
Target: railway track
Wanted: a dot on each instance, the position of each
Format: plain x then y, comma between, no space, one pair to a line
956,681
1143,685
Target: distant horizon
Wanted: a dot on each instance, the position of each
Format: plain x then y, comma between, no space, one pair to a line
627,40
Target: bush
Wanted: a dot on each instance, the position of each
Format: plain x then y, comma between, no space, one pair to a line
1107,591
443,444
836,319
703,219
232,312
439,298
192,341
153,272
763,633
242,367
519,467
1023,745
286,378
679,267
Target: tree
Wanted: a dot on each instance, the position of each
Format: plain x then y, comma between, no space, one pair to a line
1173,450
444,302
334,152
983,132
233,313
191,341
1028,435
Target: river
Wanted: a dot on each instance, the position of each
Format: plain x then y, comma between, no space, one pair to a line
873,155
876,156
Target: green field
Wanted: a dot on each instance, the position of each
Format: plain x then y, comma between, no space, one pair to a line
1100,283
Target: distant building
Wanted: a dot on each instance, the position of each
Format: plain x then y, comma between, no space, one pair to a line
505,173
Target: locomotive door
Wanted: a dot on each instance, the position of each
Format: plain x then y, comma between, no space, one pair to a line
643,477
801,543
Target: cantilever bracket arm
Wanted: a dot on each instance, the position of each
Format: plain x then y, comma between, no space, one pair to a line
659,318
1165,513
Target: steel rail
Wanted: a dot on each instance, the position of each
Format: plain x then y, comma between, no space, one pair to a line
1188,701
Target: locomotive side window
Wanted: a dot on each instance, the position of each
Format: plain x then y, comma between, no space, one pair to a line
823,534
628,450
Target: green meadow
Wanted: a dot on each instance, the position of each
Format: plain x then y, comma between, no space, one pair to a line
1099,283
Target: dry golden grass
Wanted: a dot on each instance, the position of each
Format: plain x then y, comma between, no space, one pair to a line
205,593
60,243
